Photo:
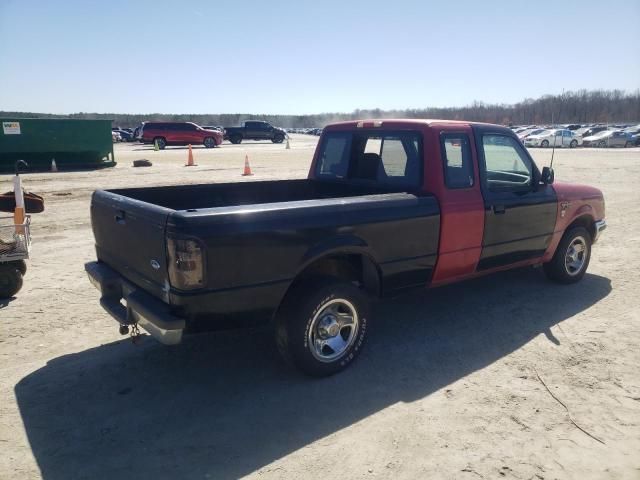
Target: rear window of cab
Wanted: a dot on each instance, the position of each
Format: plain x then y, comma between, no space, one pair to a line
377,157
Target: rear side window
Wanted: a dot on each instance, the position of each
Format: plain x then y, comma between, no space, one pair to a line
383,158
334,158
456,156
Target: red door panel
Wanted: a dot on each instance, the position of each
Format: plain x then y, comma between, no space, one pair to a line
462,210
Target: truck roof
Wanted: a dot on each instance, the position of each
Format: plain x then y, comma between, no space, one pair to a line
400,122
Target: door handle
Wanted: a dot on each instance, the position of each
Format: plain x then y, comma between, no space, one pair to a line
120,217
498,209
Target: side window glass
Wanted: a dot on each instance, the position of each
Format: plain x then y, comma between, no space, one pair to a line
394,157
456,157
334,159
507,166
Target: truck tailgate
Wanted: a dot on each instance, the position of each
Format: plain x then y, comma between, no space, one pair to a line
130,238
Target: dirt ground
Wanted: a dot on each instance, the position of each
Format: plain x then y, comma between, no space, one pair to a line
449,386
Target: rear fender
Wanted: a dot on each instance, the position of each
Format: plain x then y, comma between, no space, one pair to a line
344,246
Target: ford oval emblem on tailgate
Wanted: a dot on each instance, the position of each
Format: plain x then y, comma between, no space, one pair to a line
155,264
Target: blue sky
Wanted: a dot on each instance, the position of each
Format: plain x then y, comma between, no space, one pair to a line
294,57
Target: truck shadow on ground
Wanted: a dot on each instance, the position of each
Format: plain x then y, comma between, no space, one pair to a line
223,405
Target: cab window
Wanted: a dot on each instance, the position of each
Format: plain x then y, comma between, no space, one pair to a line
381,158
456,156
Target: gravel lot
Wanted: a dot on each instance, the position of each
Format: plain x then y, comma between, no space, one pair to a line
508,376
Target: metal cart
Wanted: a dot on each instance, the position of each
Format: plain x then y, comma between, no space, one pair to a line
15,243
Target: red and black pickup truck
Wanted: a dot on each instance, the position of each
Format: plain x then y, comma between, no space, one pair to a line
388,206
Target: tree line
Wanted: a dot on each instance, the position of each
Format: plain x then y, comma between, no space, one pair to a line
582,106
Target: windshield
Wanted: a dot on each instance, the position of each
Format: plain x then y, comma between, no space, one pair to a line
383,158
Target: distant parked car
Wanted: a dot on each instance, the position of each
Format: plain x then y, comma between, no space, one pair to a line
591,131
634,132
560,137
115,137
213,127
178,133
125,135
255,130
609,138
530,131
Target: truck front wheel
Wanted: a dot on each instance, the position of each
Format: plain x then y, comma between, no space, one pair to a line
322,325
10,280
572,256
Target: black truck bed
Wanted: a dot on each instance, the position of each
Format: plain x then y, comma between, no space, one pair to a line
257,236
212,195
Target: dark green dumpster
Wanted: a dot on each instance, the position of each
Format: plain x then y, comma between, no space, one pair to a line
74,144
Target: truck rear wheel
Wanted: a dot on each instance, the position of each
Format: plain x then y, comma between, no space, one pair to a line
10,280
570,262
322,325
235,139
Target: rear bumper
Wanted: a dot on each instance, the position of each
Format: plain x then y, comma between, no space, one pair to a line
600,225
138,307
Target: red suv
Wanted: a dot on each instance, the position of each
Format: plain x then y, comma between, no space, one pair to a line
178,133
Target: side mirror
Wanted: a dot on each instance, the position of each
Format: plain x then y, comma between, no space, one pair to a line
547,175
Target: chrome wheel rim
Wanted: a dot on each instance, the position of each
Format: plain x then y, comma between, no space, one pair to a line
209,142
333,330
576,256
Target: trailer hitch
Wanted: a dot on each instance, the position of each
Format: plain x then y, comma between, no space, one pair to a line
133,330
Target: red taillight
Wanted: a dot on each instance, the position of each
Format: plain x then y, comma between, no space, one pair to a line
186,263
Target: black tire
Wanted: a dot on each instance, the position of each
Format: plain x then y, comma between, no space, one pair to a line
20,265
573,144
557,269
299,323
544,144
602,144
235,139
10,280
209,142
162,142
628,144
278,138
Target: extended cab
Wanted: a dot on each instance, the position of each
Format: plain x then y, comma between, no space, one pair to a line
254,130
388,206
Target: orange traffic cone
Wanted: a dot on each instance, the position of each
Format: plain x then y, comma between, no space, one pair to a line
247,167
190,162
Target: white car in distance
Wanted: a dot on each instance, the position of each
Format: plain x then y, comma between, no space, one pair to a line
558,137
